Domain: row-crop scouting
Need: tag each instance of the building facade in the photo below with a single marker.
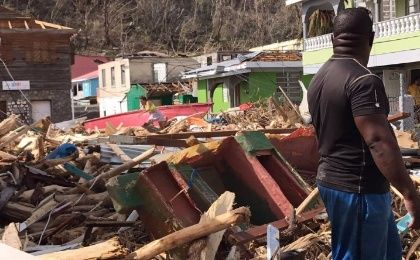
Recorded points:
(35, 68)
(395, 54)
(248, 78)
(116, 77)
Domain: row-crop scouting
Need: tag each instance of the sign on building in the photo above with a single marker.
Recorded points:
(16, 85)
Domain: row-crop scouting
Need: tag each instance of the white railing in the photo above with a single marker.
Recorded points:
(319, 42)
(405, 24)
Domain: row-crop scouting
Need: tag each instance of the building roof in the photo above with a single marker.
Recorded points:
(161, 89)
(246, 63)
(85, 64)
(12, 20)
(88, 76)
(292, 45)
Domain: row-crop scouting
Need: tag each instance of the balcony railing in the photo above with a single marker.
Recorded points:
(405, 24)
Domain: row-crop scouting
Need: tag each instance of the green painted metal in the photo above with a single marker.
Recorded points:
(76, 171)
(254, 141)
(202, 91)
(260, 85)
(220, 101)
(133, 95)
(123, 193)
(383, 45)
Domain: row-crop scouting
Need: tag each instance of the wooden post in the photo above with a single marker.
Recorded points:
(191, 233)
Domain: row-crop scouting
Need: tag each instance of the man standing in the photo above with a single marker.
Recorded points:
(359, 152)
(155, 114)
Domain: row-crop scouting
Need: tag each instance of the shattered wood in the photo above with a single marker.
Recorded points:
(62, 207)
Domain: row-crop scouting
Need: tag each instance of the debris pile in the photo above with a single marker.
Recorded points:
(126, 192)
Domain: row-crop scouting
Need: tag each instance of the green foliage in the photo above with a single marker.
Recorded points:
(320, 22)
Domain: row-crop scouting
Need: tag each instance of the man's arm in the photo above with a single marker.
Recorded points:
(386, 153)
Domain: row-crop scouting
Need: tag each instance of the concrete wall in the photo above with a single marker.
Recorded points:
(59, 100)
(137, 70)
(260, 85)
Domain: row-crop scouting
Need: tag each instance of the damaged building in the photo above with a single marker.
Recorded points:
(35, 68)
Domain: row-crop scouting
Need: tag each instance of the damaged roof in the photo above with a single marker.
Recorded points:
(10, 19)
(246, 63)
(161, 89)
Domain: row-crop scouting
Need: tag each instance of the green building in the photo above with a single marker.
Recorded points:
(247, 78)
(395, 55)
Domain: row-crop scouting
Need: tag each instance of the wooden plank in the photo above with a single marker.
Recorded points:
(222, 205)
(110, 249)
(260, 231)
(191, 233)
(398, 116)
(144, 139)
(11, 237)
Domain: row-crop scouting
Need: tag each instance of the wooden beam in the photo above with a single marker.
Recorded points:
(191, 233)
(110, 249)
(398, 116)
(144, 139)
(260, 231)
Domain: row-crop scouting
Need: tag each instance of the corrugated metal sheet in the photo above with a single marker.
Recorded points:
(108, 156)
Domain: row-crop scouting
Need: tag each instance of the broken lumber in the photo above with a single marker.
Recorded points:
(9, 124)
(128, 164)
(222, 205)
(191, 233)
(11, 237)
(143, 139)
(398, 116)
(109, 249)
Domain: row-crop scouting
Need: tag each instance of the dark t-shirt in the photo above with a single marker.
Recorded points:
(341, 90)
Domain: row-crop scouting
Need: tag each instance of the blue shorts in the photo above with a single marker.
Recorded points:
(363, 225)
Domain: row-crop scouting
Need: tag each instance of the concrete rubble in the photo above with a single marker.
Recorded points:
(199, 189)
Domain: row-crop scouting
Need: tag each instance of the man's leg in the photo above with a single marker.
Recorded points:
(380, 239)
(344, 213)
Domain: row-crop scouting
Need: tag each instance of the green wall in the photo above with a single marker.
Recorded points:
(219, 104)
(133, 95)
(202, 91)
(260, 85)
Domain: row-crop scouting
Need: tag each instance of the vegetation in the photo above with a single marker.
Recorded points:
(175, 27)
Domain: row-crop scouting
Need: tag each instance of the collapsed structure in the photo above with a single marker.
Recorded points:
(126, 192)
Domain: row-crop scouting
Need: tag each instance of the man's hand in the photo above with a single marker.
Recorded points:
(413, 207)
(384, 148)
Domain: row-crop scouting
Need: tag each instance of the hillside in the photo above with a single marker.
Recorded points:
(175, 27)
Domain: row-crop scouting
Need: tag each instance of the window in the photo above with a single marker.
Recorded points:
(79, 87)
(123, 74)
(103, 78)
(112, 77)
(159, 71)
(209, 60)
